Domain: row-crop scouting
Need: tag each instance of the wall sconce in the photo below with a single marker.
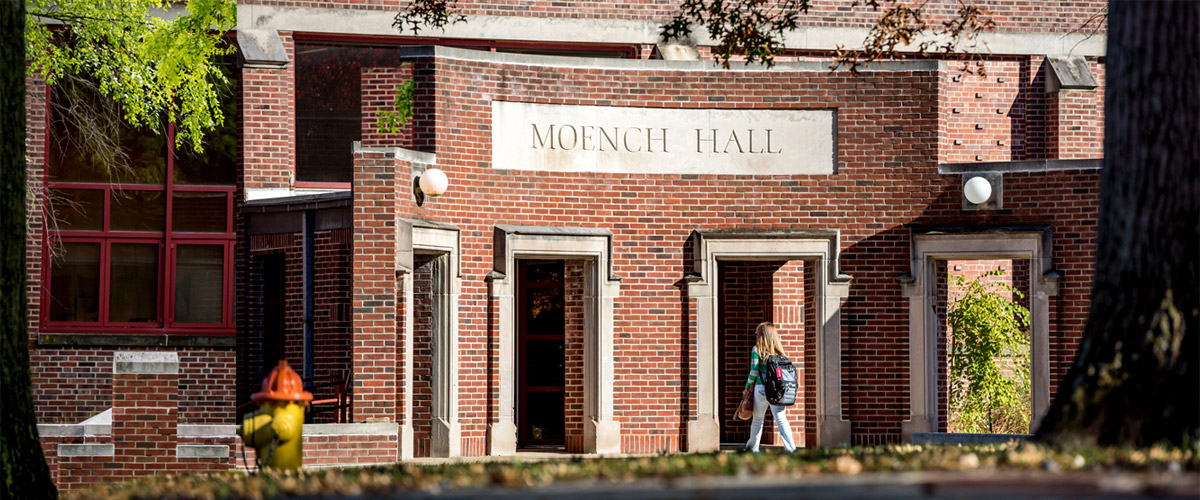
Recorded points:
(431, 182)
(981, 191)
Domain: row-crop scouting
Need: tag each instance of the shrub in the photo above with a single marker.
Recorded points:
(989, 358)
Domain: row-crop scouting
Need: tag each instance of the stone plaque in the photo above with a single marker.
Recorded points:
(563, 138)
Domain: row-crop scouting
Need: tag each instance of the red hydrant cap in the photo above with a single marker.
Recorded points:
(282, 384)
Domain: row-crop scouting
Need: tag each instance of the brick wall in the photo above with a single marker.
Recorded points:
(886, 181)
(378, 95)
(71, 385)
(1009, 116)
(1021, 16)
(573, 339)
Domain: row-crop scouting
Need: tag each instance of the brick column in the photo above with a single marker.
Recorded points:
(269, 122)
(373, 327)
(145, 411)
(1073, 126)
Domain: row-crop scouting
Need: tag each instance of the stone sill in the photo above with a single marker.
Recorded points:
(135, 340)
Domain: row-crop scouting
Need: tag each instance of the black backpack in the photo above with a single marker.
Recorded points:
(779, 380)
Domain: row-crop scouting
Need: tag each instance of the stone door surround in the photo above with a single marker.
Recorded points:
(818, 246)
(440, 239)
(929, 245)
(601, 432)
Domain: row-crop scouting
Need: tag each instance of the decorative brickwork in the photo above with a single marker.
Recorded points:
(1009, 116)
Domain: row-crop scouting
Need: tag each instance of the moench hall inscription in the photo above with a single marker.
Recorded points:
(565, 138)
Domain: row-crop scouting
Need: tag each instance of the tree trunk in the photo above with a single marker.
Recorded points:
(26, 474)
(1136, 380)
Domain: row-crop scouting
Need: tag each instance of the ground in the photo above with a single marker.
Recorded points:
(905, 471)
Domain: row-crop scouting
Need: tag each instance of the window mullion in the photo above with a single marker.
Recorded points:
(167, 295)
(105, 293)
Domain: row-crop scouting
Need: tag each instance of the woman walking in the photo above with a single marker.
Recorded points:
(766, 344)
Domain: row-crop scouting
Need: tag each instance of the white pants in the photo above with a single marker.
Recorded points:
(760, 412)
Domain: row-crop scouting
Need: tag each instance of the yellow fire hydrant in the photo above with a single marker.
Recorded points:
(275, 429)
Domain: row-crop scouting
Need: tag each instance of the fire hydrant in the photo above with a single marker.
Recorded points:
(275, 429)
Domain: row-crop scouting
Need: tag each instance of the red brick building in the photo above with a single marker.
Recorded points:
(615, 225)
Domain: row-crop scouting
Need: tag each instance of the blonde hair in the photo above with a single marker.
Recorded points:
(767, 340)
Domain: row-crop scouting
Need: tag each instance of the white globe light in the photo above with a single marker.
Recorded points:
(977, 190)
(434, 182)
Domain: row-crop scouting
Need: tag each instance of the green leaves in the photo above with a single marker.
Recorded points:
(989, 358)
(154, 67)
(750, 28)
(392, 121)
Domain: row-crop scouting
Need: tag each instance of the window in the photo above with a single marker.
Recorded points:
(329, 106)
(144, 249)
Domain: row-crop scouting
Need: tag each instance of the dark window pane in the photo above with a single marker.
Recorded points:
(75, 283)
(329, 108)
(133, 283)
(78, 209)
(137, 211)
(198, 212)
(217, 165)
(545, 311)
(544, 415)
(199, 283)
(544, 363)
(142, 158)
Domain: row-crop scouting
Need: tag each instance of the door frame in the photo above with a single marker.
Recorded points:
(601, 431)
(929, 245)
(820, 246)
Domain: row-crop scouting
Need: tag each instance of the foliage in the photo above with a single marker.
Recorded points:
(151, 67)
(755, 29)
(391, 121)
(989, 329)
(435, 13)
(408, 478)
(750, 28)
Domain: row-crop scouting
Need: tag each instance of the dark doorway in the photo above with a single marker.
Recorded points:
(541, 325)
(274, 286)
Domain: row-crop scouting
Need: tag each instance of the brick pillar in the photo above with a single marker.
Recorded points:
(269, 122)
(145, 411)
(373, 328)
(1074, 129)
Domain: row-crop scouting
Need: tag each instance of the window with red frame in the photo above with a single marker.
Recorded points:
(145, 249)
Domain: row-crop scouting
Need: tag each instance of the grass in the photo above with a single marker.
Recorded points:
(409, 477)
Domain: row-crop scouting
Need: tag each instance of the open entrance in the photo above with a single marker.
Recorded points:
(751, 292)
(989, 300)
(541, 354)
(935, 253)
